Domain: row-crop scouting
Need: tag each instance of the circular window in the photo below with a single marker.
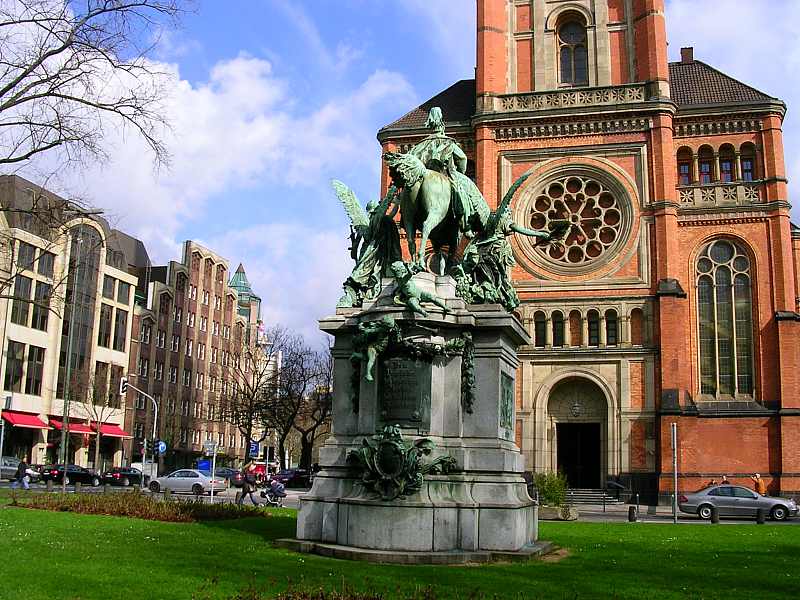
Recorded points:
(595, 217)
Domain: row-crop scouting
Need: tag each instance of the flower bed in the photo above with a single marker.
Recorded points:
(140, 506)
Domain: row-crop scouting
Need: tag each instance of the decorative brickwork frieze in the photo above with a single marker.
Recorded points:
(701, 128)
(623, 94)
(561, 129)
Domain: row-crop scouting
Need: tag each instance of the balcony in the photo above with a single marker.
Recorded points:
(720, 195)
(571, 98)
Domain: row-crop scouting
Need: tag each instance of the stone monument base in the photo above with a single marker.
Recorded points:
(453, 557)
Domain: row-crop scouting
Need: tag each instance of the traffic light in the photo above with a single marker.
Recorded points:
(123, 386)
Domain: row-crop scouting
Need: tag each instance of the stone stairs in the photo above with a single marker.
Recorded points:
(591, 496)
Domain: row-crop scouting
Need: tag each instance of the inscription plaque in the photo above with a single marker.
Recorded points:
(404, 392)
(507, 405)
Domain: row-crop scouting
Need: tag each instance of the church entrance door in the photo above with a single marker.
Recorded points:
(578, 453)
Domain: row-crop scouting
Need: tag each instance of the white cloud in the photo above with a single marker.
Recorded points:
(750, 44)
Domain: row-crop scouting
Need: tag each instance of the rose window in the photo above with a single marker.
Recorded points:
(591, 211)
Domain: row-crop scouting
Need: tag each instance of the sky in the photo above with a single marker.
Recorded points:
(271, 99)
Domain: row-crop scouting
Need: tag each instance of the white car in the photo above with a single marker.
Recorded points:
(190, 481)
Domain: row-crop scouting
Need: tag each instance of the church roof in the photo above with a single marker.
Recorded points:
(691, 84)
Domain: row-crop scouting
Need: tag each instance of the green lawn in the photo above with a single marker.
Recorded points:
(63, 555)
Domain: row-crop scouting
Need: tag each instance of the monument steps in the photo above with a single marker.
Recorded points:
(591, 496)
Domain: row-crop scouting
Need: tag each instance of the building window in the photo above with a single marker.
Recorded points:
(158, 371)
(178, 314)
(205, 298)
(217, 302)
(203, 324)
(173, 374)
(190, 319)
(141, 402)
(104, 326)
(187, 377)
(199, 381)
(46, 264)
(14, 359)
(171, 405)
(724, 302)
(215, 330)
(108, 287)
(27, 256)
(33, 378)
(176, 343)
(612, 328)
(593, 318)
(201, 351)
(123, 292)
(41, 306)
(212, 384)
(705, 163)
(120, 330)
(189, 347)
(557, 319)
(539, 329)
(573, 54)
(213, 355)
(161, 338)
(22, 300)
(138, 430)
(144, 366)
(144, 333)
(726, 170)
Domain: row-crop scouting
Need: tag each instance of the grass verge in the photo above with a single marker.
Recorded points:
(76, 556)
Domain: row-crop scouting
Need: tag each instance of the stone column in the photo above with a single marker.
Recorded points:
(624, 330)
(584, 331)
(548, 332)
(567, 332)
(695, 177)
(738, 166)
(716, 167)
(603, 340)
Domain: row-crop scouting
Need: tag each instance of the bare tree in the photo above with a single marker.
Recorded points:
(98, 405)
(247, 381)
(285, 401)
(313, 416)
(67, 68)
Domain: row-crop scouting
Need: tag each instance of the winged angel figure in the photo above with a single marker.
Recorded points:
(375, 244)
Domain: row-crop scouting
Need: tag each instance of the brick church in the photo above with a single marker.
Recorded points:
(674, 297)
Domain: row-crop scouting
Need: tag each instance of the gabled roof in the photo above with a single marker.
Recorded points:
(691, 84)
(696, 83)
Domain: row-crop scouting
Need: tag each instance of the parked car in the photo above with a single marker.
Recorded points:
(189, 481)
(735, 501)
(225, 473)
(123, 476)
(8, 467)
(75, 474)
(294, 478)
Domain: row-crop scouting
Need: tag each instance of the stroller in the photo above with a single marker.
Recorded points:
(274, 493)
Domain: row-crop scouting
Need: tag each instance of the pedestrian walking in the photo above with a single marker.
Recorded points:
(759, 484)
(725, 481)
(248, 484)
(21, 476)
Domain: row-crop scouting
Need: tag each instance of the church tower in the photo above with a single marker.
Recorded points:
(673, 297)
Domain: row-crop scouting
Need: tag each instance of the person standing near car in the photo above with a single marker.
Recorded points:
(21, 476)
(759, 485)
(248, 484)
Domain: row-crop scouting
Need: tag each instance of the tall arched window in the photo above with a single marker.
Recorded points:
(557, 319)
(539, 329)
(725, 315)
(593, 317)
(573, 54)
(612, 328)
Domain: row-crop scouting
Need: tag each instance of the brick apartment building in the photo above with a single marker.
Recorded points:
(674, 298)
(192, 324)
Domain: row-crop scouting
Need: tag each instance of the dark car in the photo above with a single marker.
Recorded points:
(75, 474)
(225, 473)
(123, 476)
(294, 478)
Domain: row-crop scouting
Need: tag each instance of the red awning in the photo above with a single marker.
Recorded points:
(73, 427)
(19, 419)
(107, 430)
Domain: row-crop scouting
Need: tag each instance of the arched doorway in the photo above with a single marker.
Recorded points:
(578, 415)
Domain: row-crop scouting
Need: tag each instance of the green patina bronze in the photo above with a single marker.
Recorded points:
(434, 197)
(391, 467)
(384, 339)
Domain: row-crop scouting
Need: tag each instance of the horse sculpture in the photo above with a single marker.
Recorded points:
(426, 205)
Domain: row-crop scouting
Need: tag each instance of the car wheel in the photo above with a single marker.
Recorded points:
(95, 482)
(126, 482)
(779, 513)
(67, 480)
(154, 487)
(197, 489)
(704, 512)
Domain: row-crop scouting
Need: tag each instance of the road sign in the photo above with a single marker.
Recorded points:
(123, 386)
(210, 447)
(253, 448)
(161, 447)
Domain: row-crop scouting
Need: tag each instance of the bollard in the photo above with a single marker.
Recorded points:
(761, 516)
(77, 487)
(49, 485)
(107, 488)
(632, 514)
(714, 514)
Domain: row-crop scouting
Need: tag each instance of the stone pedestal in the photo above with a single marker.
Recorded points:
(482, 507)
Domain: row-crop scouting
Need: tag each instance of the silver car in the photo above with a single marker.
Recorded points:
(735, 501)
(189, 481)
